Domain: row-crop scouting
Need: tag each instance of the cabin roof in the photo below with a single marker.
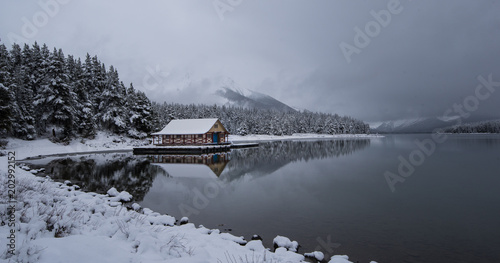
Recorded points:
(187, 126)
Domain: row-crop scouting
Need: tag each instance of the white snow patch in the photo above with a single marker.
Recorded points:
(239, 240)
(255, 245)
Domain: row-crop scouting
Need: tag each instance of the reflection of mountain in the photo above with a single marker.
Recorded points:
(271, 156)
(170, 163)
(98, 173)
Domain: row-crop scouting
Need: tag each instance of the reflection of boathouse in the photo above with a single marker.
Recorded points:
(216, 162)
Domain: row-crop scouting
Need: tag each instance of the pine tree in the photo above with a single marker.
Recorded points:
(22, 94)
(140, 113)
(5, 95)
(55, 100)
(84, 117)
(111, 110)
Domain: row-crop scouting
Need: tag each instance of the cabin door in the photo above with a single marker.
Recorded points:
(215, 137)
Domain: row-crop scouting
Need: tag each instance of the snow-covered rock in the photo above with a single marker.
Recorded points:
(184, 221)
(113, 192)
(256, 237)
(285, 242)
(136, 206)
(119, 196)
(285, 254)
(339, 259)
(318, 255)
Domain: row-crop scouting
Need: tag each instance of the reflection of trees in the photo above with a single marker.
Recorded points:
(134, 174)
(270, 156)
(97, 174)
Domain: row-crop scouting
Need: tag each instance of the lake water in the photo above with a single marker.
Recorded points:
(329, 195)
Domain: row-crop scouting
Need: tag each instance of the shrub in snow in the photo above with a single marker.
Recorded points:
(285, 242)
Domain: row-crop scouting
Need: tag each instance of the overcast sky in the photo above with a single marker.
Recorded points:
(309, 54)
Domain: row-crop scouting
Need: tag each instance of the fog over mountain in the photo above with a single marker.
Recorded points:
(378, 61)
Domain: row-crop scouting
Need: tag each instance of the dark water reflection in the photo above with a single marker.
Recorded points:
(99, 172)
(329, 195)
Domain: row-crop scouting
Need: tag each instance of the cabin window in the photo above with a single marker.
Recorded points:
(167, 136)
(200, 135)
(178, 136)
(216, 125)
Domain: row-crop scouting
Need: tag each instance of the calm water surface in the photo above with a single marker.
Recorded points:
(329, 195)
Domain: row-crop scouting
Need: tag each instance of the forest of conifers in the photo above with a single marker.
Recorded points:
(44, 93)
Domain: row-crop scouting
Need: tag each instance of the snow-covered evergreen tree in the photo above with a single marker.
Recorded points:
(5, 95)
(139, 117)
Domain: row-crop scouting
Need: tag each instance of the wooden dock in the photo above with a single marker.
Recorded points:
(191, 149)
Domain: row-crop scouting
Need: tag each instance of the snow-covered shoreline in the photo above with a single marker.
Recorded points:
(56, 222)
(106, 142)
(299, 136)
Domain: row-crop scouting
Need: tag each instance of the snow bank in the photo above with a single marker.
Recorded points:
(56, 222)
(102, 142)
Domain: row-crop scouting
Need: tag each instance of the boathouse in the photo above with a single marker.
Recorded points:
(191, 132)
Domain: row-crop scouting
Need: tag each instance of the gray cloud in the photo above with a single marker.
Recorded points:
(422, 62)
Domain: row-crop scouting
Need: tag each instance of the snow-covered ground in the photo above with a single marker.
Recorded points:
(42, 147)
(55, 222)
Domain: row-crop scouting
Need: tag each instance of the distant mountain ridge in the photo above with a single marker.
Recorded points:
(420, 125)
(249, 99)
(417, 125)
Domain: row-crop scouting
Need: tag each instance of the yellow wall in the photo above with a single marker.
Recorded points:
(220, 128)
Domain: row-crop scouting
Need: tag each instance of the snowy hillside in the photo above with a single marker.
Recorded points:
(246, 98)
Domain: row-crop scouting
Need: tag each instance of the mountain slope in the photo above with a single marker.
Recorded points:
(252, 99)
